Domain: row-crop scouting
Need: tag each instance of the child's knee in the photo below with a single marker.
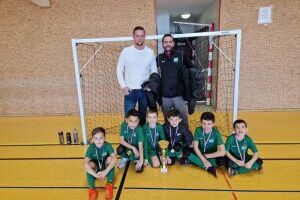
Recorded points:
(108, 160)
(121, 149)
(93, 166)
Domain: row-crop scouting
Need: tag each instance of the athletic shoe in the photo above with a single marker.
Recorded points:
(109, 191)
(93, 194)
(231, 172)
(123, 163)
(212, 170)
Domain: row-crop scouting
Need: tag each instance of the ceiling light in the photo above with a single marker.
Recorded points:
(185, 15)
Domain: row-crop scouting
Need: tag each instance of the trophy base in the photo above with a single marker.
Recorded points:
(164, 170)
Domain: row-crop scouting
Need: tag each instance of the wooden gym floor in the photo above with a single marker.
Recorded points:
(34, 166)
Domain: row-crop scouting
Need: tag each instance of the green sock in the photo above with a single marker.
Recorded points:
(110, 175)
(91, 180)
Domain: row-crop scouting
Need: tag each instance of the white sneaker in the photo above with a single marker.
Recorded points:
(123, 163)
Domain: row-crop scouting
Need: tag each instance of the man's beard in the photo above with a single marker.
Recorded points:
(168, 48)
(139, 44)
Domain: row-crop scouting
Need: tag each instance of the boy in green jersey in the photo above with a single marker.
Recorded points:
(131, 141)
(99, 162)
(237, 146)
(209, 149)
(154, 132)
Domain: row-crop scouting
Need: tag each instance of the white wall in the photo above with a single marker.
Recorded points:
(211, 14)
(162, 25)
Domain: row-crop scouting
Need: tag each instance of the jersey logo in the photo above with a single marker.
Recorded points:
(175, 60)
(104, 154)
(243, 147)
(211, 140)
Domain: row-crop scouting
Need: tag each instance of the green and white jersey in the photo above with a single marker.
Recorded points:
(132, 136)
(208, 142)
(239, 149)
(98, 155)
(153, 135)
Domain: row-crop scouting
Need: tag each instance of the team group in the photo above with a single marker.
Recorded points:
(140, 133)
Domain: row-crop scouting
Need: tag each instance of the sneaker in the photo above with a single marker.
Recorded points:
(260, 168)
(231, 172)
(93, 194)
(212, 170)
(123, 163)
(184, 161)
(109, 191)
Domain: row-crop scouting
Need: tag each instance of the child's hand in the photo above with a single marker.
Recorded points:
(207, 164)
(248, 165)
(168, 160)
(138, 165)
(240, 163)
(101, 175)
(136, 152)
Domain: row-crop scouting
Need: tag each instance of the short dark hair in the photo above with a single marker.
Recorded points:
(239, 121)
(138, 28)
(134, 113)
(174, 113)
(152, 111)
(209, 116)
(167, 35)
(98, 130)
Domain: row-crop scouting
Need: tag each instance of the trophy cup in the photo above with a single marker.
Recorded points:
(163, 144)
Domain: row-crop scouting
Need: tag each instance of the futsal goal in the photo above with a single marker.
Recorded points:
(100, 97)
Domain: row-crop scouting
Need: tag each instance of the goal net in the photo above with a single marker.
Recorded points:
(100, 97)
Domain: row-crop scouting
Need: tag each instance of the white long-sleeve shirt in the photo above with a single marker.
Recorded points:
(135, 66)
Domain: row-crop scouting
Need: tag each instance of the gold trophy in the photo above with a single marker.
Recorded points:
(163, 144)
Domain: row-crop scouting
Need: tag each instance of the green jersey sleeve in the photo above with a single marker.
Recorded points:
(140, 134)
(89, 151)
(228, 143)
(123, 128)
(161, 132)
(145, 143)
(251, 145)
(110, 148)
(197, 134)
(219, 138)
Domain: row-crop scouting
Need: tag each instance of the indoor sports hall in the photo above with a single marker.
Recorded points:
(58, 63)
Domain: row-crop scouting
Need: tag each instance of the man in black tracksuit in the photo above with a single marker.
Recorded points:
(171, 64)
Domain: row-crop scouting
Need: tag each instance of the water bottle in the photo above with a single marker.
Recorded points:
(69, 139)
(61, 137)
(75, 136)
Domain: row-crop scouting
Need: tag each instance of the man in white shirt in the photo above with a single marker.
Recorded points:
(135, 65)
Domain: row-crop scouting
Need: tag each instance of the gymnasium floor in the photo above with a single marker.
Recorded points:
(34, 166)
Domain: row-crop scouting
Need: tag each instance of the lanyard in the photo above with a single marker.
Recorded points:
(99, 163)
(205, 141)
(153, 139)
(243, 157)
(173, 141)
(132, 135)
